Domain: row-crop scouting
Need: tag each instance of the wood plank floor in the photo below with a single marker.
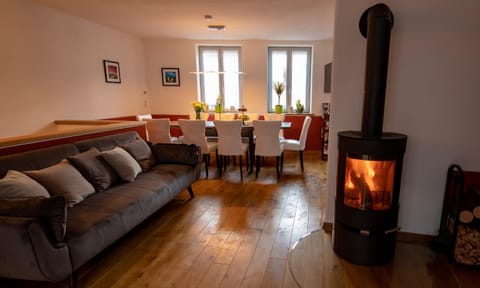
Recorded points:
(237, 234)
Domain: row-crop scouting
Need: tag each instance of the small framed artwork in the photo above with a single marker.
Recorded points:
(112, 71)
(170, 77)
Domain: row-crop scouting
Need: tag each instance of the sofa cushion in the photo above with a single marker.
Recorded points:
(140, 150)
(62, 179)
(36, 159)
(51, 211)
(94, 168)
(104, 217)
(167, 153)
(177, 177)
(106, 142)
(18, 185)
(123, 163)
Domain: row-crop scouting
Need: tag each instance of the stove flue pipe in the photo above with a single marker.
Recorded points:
(375, 25)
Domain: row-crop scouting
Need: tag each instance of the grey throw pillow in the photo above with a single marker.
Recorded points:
(51, 211)
(123, 163)
(94, 168)
(62, 179)
(140, 150)
(18, 185)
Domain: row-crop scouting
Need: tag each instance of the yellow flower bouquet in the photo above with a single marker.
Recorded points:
(198, 107)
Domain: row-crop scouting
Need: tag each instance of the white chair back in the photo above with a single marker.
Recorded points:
(304, 132)
(277, 117)
(143, 117)
(267, 142)
(229, 137)
(159, 130)
(194, 133)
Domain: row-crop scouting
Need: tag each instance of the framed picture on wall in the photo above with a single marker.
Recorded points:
(170, 77)
(112, 71)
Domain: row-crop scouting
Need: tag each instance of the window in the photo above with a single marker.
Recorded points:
(219, 76)
(291, 66)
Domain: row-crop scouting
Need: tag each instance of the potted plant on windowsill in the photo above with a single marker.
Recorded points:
(279, 87)
(300, 107)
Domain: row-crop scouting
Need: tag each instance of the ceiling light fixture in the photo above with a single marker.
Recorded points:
(208, 17)
(216, 27)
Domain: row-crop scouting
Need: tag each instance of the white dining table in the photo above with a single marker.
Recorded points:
(247, 132)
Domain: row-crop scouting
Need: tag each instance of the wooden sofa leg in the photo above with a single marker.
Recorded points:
(73, 280)
(190, 191)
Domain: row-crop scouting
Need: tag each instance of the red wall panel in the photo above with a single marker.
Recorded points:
(314, 136)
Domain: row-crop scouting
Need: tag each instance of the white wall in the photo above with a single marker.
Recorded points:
(432, 96)
(175, 53)
(51, 68)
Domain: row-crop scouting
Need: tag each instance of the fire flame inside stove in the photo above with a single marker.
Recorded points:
(369, 184)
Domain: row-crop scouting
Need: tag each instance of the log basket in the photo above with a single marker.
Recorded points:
(459, 233)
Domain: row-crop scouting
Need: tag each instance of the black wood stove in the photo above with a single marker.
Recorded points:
(370, 161)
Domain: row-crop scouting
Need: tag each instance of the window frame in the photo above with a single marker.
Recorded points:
(288, 91)
(221, 78)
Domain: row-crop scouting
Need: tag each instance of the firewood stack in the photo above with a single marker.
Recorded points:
(467, 242)
(467, 245)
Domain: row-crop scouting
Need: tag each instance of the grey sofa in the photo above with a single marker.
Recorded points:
(27, 250)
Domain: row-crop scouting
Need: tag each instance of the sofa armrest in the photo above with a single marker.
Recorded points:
(27, 253)
(177, 154)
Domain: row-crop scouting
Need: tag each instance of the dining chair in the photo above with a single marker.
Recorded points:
(230, 143)
(267, 143)
(158, 131)
(299, 145)
(143, 117)
(194, 133)
(276, 117)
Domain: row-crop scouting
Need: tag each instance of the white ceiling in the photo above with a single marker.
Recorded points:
(244, 19)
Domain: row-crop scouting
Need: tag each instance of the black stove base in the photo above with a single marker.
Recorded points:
(374, 249)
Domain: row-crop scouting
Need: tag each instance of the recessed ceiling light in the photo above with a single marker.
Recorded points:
(208, 17)
(216, 27)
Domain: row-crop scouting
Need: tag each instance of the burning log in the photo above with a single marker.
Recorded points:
(362, 187)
